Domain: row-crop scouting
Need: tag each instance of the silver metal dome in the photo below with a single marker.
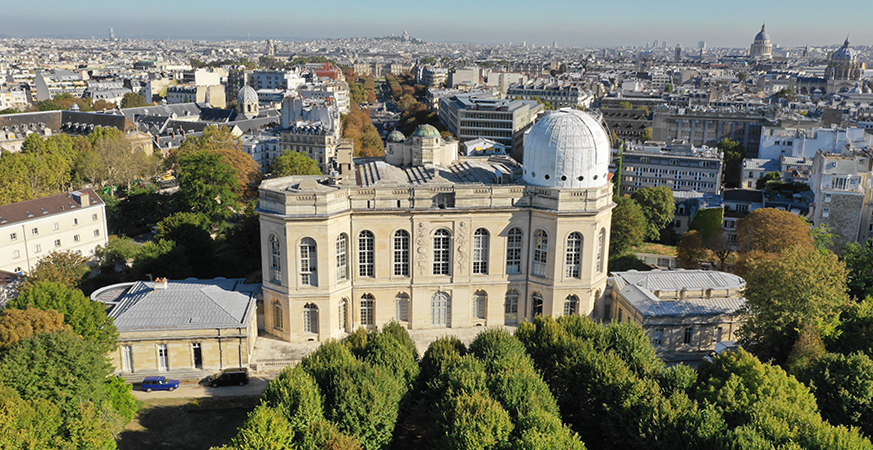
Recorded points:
(567, 149)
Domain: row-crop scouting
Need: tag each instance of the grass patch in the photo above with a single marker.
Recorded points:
(657, 249)
(186, 423)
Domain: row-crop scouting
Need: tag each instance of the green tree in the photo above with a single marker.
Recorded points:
(294, 163)
(733, 152)
(858, 258)
(546, 104)
(628, 226)
(478, 422)
(782, 292)
(207, 184)
(843, 388)
(760, 183)
(743, 76)
(221, 141)
(67, 268)
(647, 135)
(87, 318)
(133, 100)
(855, 331)
(658, 207)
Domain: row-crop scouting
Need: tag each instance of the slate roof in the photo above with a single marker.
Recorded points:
(466, 170)
(637, 288)
(188, 304)
(43, 207)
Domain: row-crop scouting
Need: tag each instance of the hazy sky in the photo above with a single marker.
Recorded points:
(569, 22)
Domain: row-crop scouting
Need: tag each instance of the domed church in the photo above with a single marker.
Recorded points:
(844, 69)
(435, 240)
(761, 46)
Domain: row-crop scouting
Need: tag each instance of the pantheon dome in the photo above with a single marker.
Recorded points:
(567, 149)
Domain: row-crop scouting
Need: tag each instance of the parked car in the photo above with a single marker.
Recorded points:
(229, 377)
(159, 384)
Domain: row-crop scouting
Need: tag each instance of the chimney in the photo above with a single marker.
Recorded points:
(82, 198)
(161, 283)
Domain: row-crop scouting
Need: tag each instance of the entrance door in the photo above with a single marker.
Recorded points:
(441, 307)
(163, 358)
(198, 355)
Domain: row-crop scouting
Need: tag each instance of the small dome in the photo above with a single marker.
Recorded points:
(762, 35)
(568, 149)
(426, 131)
(75, 107)
(845, 53)
(396, 136)
(247, 95)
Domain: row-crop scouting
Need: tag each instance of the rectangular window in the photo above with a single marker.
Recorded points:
(127, 358)
(57, 242)
(76, 238)
(441, 254)
(34, 231)
(13, 237)
(827, 198)
(659, 337)
(513, 251)
(401, 254)
(75, 221)
(163, 358)
(96, 233)
(838, 183)
(825, 212)
(689, 333)
(55, 226)
(716, 337)
(37, 249)
(94, 217)
(16, 254)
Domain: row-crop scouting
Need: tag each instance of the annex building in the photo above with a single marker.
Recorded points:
(433, 240)
(186, 325)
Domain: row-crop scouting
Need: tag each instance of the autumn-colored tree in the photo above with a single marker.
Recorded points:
(358, 127)
(690, 250)
(772, 230)
(19, 324)
(222, 142)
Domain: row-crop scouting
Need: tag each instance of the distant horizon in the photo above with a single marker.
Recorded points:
(298, 39)
(485, 22)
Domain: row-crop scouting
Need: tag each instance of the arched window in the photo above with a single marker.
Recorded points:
(510, 316)
(537, 303)
(601, 248)
(275, 260)
(310, 318)
(441, 308)
(308, 258)
(401, 307)
(368, 310)
(366, 266)
(401, 253)
(344, 314)
(573, 260)
(541, 253)
(442, 247)
(480, 304)
(480, 251)
(514, 242)
(277, 315)
(571, 305)
(342, 257)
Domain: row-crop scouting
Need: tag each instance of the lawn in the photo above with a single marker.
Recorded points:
(186, 423)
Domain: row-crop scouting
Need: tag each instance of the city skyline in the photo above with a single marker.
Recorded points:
(486, 22)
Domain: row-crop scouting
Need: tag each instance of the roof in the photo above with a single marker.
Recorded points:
(743, 195)
(188, 304)
(46, 206)
(638, 289)
(466, 170)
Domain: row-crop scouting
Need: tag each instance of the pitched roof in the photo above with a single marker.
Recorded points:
(638, 289)
(46, 206)
(188, 304)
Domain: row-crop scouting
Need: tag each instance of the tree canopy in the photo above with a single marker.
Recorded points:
(658, 207)
(785, 291)
(133, 100)
(208, 184)
(772, 230)
(628, 226)
(733, 154)
(295, 163)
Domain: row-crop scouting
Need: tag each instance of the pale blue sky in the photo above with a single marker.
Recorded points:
(601, 23)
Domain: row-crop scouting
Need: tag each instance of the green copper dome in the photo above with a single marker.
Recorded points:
(396, 136)
(426, 131)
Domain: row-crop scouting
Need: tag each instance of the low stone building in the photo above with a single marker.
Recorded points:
(188, 325)
(684, 312)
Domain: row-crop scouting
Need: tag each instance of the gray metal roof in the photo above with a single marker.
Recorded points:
(188, 304)
(638, 289)
(466, 170)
